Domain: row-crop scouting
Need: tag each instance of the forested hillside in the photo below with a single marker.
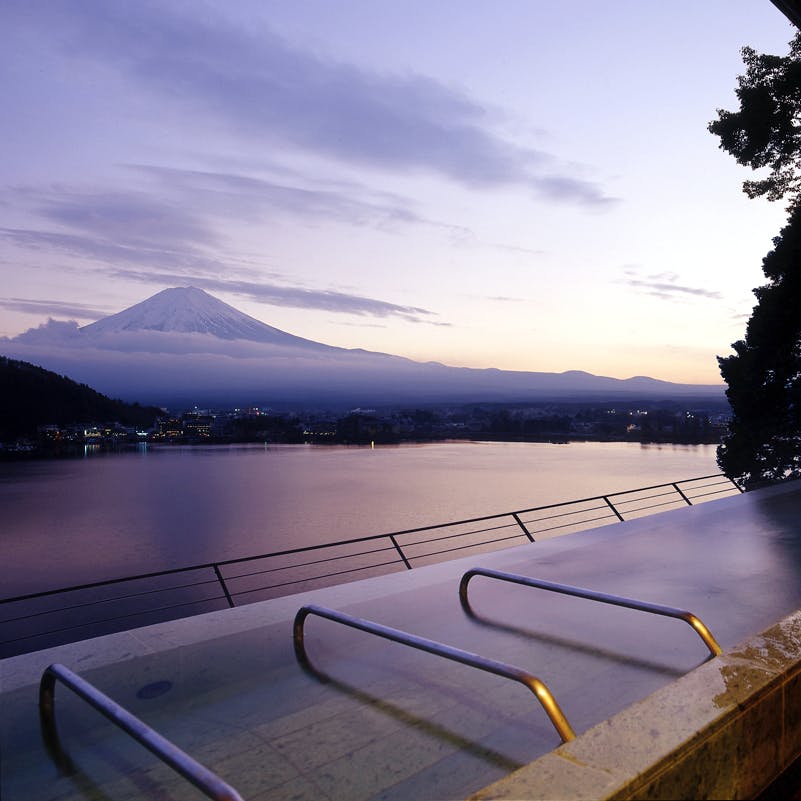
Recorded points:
(31, 396)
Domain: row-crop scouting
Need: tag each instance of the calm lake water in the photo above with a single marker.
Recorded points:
(65, 522)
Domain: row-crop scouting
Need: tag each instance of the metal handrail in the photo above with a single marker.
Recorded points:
(534, 684)
(616, 600)
(205, 780)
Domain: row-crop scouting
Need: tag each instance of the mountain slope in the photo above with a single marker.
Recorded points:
(188, 310)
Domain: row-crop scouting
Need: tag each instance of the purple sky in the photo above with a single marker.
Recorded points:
(527, 185)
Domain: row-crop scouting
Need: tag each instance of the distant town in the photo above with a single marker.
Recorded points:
(667, 421)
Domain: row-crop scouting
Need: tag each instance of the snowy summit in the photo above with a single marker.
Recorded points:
(189, 310)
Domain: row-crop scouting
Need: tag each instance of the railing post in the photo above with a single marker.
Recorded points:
(224, 586)
(675, 486)
(523, 526)
(400, 552)
(612, 507)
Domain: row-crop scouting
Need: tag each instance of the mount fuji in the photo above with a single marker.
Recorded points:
(188, 310)
(183, 346)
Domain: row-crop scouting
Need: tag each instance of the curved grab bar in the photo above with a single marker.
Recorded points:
(566, 589)
(205, 780)
(536, 686)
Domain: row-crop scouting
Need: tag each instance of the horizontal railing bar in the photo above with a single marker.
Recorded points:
(725, 482)
(656, 506)
(540, 690)
(238, 593)
(59, 610)
(706, 494)
(114, 619)
(340, 543)
(673, 494)
(307, 564)
(575, 523)
(465, 547)
(616, 600)
(107, 582)
(567, 514)
(209, 783)
(720, 478)
(659, 486)
(465, 534)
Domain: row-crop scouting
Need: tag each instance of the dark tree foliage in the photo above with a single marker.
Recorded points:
(764, 375)
(31, 396)
(765, 132)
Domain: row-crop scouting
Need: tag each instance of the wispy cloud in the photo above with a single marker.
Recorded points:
(235, 195)
(665, 286)
(127, 218)
(99, 249)
(53, 307)
(567, 189)
(180, 215)
(261, 87)
(129, 233)
(291, 296)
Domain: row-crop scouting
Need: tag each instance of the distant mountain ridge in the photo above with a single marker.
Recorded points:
(183, 345)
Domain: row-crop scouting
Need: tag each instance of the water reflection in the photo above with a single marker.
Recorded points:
(66, 522)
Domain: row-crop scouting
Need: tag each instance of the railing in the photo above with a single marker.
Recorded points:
(38, 620)
(207, 782)
(580, 592)
(542, 693)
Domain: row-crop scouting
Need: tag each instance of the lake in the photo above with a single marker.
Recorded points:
(70, 521)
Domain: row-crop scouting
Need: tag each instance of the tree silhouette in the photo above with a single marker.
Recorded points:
(765, 131)
(763, 442)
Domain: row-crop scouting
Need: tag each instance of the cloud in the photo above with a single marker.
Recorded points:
(177, 220)
(259, 86)
(53, 332)
(664, 286)
(78, 310)
(291, 296)
(238, 196)
(565, 189)
(126, 218)
(97, 248)
(188, 265)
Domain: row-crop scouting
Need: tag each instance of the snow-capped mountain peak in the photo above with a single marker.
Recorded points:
(189, 310)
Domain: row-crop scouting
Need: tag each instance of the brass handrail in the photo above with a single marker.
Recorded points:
(566, 589)
(205, 780)
(536, 686)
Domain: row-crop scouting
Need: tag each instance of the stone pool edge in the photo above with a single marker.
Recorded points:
(725, 730)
